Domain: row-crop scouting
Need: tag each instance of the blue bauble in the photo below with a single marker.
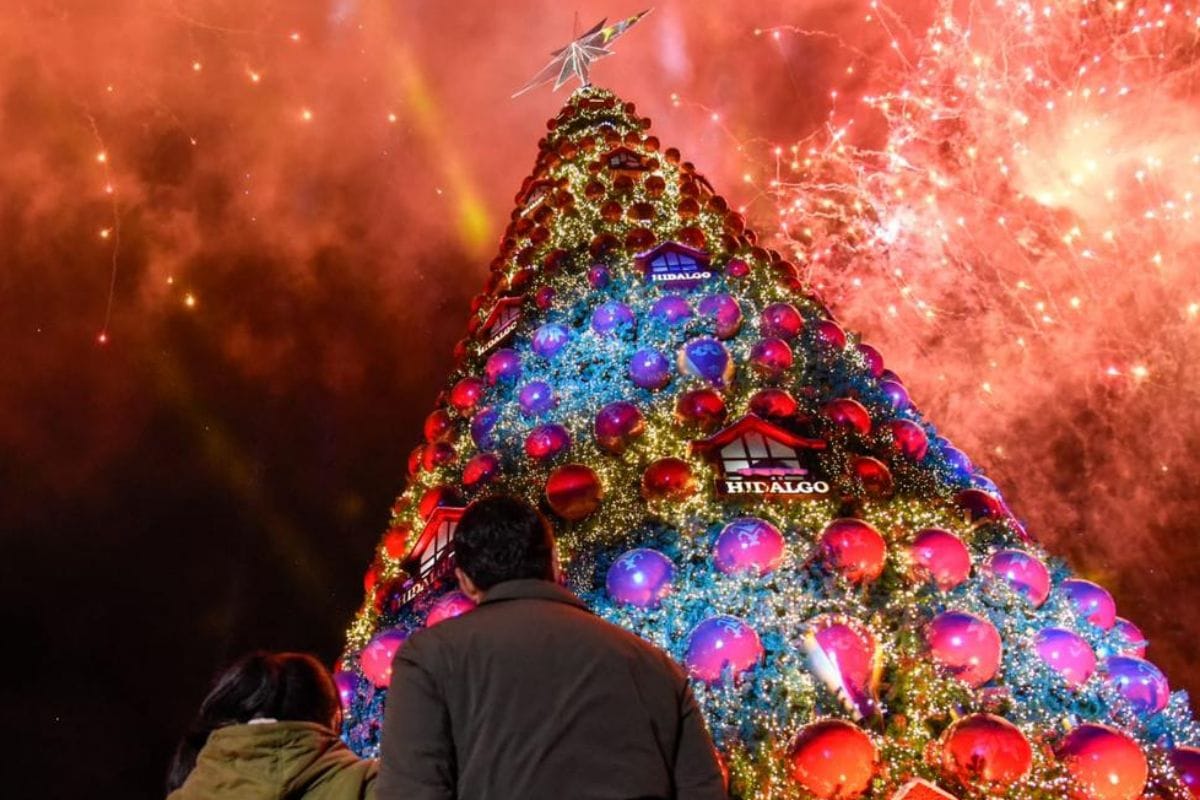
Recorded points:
(706, 358)
(481, 428)
(640, 578)
(536, 398)
(672, 309)
(649, 369)
(1139, 682)
(610, 316)
(550, 338)
(896, 394)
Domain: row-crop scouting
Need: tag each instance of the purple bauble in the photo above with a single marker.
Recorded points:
(1067, 653)
(503, 366)
(1129, 639)
(938, 555)
(1023, 573)
(547, 441)
(616, 425)
(724, 312)
(956, 458)
(780, 321)
(1186, 761)
(896, 394)
(1139, 682)
(610, 316)
(450, 605)
(649, 369)
(481, 428)
(536, 398)
(550, 338)
(598, 276)
(749, 544)
(1092, 602)
(640, 578)
(347, 687)
(720, 643)
(375, 661)
(706, 358)
(967, 646)
(672, 310)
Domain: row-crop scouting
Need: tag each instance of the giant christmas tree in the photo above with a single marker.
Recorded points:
(738, 479)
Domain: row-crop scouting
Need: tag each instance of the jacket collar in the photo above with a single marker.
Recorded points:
(532, 589)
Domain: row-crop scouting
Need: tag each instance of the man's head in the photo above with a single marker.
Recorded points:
(502, 539)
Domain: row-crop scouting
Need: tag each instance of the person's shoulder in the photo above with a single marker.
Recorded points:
(647, 651)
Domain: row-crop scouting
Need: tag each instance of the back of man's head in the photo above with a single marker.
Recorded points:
(503, 539)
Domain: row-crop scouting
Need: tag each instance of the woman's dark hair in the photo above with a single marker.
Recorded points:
(503, 539)
(283, 686)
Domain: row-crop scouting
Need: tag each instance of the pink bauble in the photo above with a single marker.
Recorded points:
(749, 544)
(618, 424)
(833, 760)
(848, 413)
(439, 427)
(1023, 573)
(830, 334)
(1141, 683)
(845, 656)
(909, 439)
(965, 645)
(1186, 761)
(1091, 601)
(466, 394)
(983, 748)
(721, 643)
(940, 556)
(980, 504)
(547, 441)
(1105, 763)
(854, 549)
(347, 686)
(1130, 639)
(771, 358)
(452, 604)
(873, 358)
(375, 661)
(1067, 653)
(781, 320)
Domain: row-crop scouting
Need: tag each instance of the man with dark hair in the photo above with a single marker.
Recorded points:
(532, 697)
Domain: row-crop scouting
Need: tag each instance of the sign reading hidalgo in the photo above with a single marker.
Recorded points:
(500, 323)
(757, 459)
(674, 266)
(431, 557)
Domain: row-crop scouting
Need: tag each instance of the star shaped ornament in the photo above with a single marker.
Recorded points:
(575, 59)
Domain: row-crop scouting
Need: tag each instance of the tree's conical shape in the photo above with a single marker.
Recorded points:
(739, 480)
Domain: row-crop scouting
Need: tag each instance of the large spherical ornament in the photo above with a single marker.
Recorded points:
(547, 441)
(706, 358)
(854, 549)
(649, 369)
(481, 428)
(721, 643)
(375, 661)
(415, 459)
(978, 504)
(965, 645)
(668, 479)
(702, 407)
(535, 398)
(773, 404)
(640, 578)
(1067, 653)
(395, 542)
(833, 760)
(466, 394)
(1186, 761)
(848, 413)
(618, 424)
(438, 454)
(873, 475)
(781, 321)
(438, 426)
(480, 470)
(598, 276)
(544, 298)
(941, 557)
(1023, 573)
(1139, 682)
(449, 605)
(1130, 641)
(611, 316)
(549, 339)
(725, 314)
(983, 748)
(909, 439)
(771, 358)
(503, 366)
(347, 687)
(830, 334)
(958, 461)
(873, 359)
(573, 491)
(1105, 763)
(436, 497)
(896, 394)
(845, 656)
(1090, 601)
(749, 544)
(672, 309)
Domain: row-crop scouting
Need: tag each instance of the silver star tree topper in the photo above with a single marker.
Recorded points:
(575, 59)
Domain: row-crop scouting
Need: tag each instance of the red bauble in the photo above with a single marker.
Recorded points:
(873, 474)
(873, 358)
(616, 425)
(980, 505)
(573, 491)
(848, 413)
(771, 358)
(668, 479)
(439, 427)
(1105, 763)
(395, 542)
(703, 407)
(438, 454)
(983, 748)
(909, 439)
(1186, 761)
(854, 549)
(435, 497)
(544, 297)
(466, 394)
(940, 556)
(966, 646)
(833, 759)
(415, 458)
(772, 404)
(547, 441)
(481, 469)
(830, 334)
(781, 321)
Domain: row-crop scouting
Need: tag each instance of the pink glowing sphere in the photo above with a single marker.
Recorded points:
(640, 578)
(830, 334)
(1023, 573)
(781, 320)
(984, 748)
(845, 656)
(616, 425)
(547, 441)
(1067, 653)
(848, 413)
(1105, 763)
(1091, 601)
(1139, 682)
(719, 644)
(853, 548)
(450, 605)
(965, 645)
(873, 358)
(938, 555)
(909, 439)
(375, 661)
(749, 545)
(1131, 640)
(771, 358)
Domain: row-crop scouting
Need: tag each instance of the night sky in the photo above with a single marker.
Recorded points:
(238, 244)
